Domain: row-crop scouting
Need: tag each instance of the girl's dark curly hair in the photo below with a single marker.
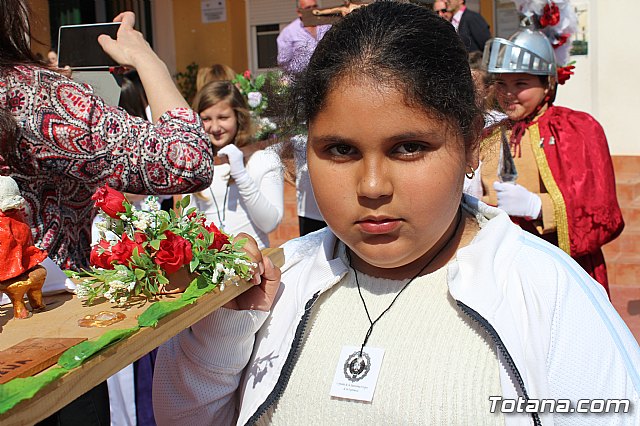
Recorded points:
(400, 45)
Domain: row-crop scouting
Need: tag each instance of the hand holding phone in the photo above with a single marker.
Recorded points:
(128, 48)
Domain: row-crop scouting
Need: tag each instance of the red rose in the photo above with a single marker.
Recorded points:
(247, 74)
(560, 40)
(139, 238)
(564, 73)
(109, 201)
(174, 253)
(101, 260)
(550, 15)
(121, 252)
(219, 239)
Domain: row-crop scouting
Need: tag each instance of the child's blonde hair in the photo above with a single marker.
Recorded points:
(220, 91)
(215, 72)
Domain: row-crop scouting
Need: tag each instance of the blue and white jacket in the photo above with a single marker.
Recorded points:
(557, 334)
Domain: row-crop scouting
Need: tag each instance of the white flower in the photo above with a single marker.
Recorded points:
(82, 291)
(140, 225)
(116, 284)
(239, 261)
(152, 203)
(102, 225)
(254, 99)
(267, 124)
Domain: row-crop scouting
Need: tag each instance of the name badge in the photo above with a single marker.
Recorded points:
(357, 374)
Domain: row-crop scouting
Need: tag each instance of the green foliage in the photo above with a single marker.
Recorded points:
(186, 81)
(203, 249)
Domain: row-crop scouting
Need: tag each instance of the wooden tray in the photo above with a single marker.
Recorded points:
(61, 320)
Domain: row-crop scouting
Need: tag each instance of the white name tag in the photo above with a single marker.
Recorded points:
(356, 375)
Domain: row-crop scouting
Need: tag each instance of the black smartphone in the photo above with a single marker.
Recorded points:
(78, 46)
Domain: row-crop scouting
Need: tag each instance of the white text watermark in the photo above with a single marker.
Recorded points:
(521, 405)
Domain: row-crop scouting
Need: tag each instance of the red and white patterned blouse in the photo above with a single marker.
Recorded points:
(70, 142)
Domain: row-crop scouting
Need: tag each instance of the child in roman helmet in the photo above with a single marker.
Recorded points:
(565, 188)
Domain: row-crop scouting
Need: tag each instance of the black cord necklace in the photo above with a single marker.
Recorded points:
(224, 205)
(356, 365)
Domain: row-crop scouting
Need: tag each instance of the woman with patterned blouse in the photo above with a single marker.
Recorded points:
(70, 141)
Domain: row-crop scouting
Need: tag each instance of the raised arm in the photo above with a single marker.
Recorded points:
(132, 50)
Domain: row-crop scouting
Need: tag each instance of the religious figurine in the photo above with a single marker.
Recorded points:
(328, 16)
(21, 271)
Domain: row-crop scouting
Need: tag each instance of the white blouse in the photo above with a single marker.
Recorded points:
(254, 205)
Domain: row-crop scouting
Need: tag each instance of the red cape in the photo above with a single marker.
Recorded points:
(17, 252)
(576, 168)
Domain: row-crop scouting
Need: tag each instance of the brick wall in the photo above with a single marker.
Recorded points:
(623, 254)
(288, 228)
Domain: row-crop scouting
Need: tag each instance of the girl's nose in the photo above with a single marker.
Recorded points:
(374, 181)
(212, 127)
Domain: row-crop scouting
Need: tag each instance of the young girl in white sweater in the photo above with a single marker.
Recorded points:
(246, 194)
(414, 306)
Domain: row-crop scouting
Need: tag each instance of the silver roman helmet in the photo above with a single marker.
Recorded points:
(526, 51)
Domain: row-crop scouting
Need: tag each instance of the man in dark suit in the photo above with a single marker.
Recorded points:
(471, 26)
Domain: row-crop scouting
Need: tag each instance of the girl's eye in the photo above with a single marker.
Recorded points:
(205, 119)
(410, 148)
(340, 150)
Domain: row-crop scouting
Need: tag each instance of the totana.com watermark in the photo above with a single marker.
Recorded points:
(521, 405)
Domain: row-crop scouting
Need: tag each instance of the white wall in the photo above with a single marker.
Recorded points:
(163, 35)
(607, 81)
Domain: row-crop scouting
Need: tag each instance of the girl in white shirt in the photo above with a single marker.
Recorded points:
(414, 306)
(246, 194)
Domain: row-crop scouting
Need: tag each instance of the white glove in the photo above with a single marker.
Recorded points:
(517, 200)
(236, 160)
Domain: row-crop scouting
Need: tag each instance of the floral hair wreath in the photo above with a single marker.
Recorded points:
(557, 20)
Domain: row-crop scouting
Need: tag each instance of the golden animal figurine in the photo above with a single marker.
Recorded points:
(20, 272)
(29, 283)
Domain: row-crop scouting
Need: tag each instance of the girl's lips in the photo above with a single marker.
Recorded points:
(381, 226)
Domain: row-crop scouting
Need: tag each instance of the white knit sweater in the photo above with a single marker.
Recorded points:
(420, 381)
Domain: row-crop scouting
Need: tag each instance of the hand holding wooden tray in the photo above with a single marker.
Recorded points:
(61, 321)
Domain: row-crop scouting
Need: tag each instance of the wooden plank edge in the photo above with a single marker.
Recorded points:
(112, 359)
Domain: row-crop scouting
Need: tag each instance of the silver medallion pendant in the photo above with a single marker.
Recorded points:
(357, 366)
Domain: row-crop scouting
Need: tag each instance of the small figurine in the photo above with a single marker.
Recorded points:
(21, 271)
